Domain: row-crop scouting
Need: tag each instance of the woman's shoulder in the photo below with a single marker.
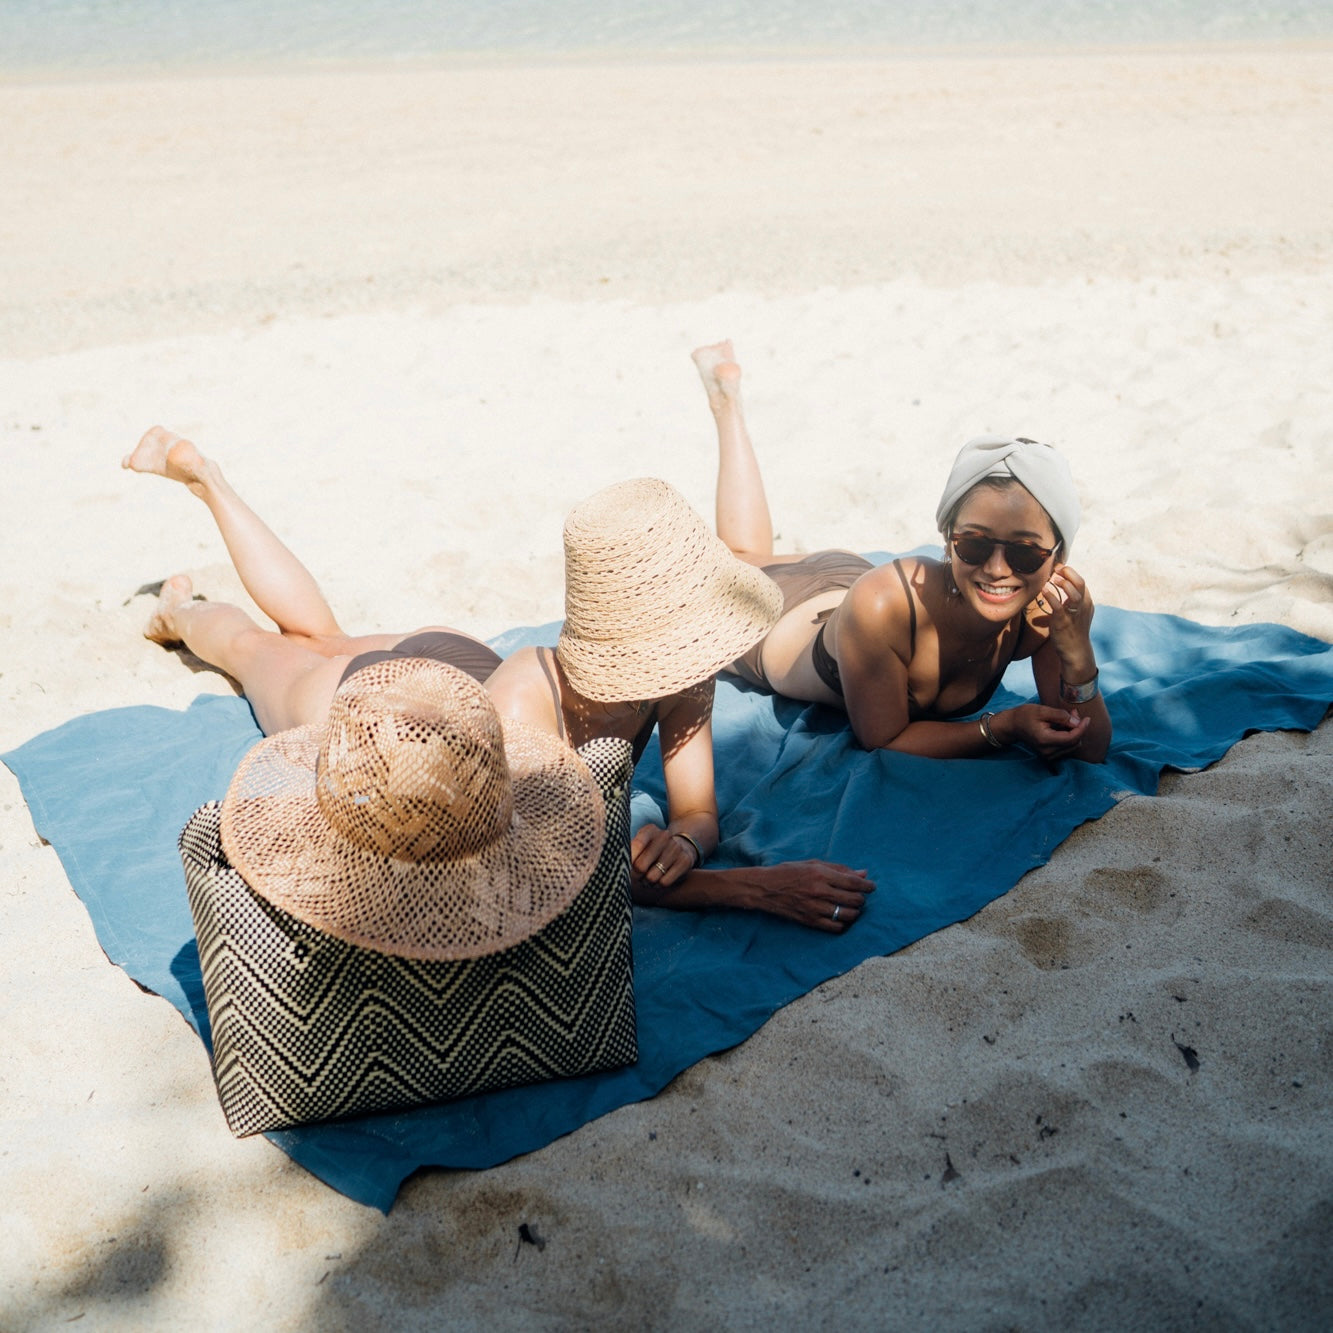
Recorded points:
(531, 662)
(887, 588)
(886, 606)
(524, 685)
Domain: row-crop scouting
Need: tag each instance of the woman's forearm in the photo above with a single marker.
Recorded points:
(820, 894)
(945, 740)
(698, 830)
(698, 889)
(1049, 731)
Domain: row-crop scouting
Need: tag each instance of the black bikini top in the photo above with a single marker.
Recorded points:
(826, 668)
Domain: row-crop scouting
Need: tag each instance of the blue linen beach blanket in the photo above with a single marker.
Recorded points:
(111, 791)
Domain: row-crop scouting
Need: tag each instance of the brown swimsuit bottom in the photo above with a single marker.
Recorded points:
(478, 661)
(800, 580)
(456, 650)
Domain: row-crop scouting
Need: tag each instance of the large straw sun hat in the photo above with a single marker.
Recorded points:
(416, 821)
(654, 601)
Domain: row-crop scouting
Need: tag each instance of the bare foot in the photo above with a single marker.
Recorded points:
(166, 454)
(720, 373)
(161, 627)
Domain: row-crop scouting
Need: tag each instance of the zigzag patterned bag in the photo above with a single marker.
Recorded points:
(307, 1027)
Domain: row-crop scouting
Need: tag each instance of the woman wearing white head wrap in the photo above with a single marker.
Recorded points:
(1038, 468)
(914, 649)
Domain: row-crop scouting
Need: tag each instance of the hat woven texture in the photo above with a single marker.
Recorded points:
(654, 600)
(416, 821)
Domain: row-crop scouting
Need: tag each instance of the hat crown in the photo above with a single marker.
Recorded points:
(415, 771)
(415, 820)
(637, 535)
(654, 600)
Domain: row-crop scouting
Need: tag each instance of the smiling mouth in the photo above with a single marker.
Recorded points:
(999, 591)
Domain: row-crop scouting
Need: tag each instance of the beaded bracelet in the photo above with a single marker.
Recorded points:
(698, 851)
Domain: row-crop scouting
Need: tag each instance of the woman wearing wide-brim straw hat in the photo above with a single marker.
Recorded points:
(414, 820)
(913, 650)
(655, 605)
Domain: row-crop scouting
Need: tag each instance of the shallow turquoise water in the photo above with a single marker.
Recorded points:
(111, 34)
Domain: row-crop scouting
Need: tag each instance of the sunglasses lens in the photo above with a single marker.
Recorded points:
(973, 550)
(1024, 559)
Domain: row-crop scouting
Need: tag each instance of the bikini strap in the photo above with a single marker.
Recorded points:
(911, 609)
(546, 656)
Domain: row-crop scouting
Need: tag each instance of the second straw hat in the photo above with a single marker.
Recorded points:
(416, 821)
(654, 600)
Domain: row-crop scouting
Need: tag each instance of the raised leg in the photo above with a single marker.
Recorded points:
(287, 683)
(280, 584)
(743, 520)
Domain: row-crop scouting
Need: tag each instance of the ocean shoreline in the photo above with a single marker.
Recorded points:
(56, 75)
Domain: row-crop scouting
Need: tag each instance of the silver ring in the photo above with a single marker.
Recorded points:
(836, 910)
(661, 869)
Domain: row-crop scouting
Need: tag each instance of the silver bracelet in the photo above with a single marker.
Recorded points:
(1078, 694)
(991, 739)
(698, 851)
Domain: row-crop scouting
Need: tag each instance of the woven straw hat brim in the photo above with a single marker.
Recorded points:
(275, 834)
(681, 632)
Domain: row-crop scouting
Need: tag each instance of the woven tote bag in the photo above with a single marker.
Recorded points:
(306, 1027)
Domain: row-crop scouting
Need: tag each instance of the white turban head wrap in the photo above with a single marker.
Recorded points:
(1038, 467)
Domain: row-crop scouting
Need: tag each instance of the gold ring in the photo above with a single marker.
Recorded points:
(661, 869)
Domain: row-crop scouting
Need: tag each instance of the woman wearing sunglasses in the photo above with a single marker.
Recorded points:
(913, 650)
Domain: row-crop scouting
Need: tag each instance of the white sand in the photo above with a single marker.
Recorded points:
(418, 314)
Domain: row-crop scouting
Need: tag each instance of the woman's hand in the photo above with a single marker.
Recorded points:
(661, 858)
(1053, 733)
(1065, 610)
(1072, 719)
(820, 894)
